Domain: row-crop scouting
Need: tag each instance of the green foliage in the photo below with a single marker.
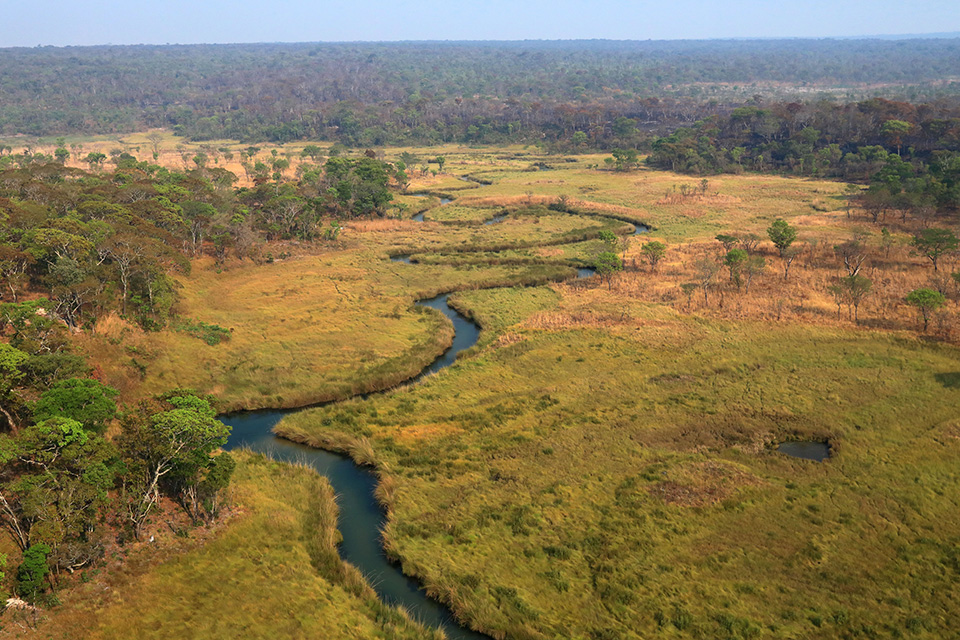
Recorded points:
(654, 251)
(57, 475)
(624, 159)
(607, 263)
(926, 301)
(782, 235)
(608, 238)
(32, 572)
(212, 334)
(735, 261)
(934, 242)
(87, 401)
(169, 444)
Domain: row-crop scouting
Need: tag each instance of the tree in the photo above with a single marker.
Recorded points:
(789, 255)
(894, 130)
(607, 263)
(89, 402)
(926, 301)
(706, 270)
(11, 373)
(934, 243)
(95, 160)
(753, 267)
(734, 261)
(608, 238)
(198, 216)
(624, 159)
(314, 152)
(654, 252)
(854, 289)
(853, 253)
(782, 235)
(441, 161)
(13, 268)
(155, 138)
(728, 241)
(32, 572)
(177, 432)
(57, 476)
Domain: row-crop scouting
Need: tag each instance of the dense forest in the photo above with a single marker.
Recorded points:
(369, 94)
(908, 154)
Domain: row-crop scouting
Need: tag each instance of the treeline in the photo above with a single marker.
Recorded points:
(114, 238)
(397, 93)
(908, 154)
(67, 492)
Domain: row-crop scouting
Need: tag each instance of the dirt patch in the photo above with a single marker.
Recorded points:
(702, 484)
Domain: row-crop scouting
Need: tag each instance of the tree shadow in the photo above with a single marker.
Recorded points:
(950, 380)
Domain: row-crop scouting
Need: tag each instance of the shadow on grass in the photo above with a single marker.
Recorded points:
(950, 380)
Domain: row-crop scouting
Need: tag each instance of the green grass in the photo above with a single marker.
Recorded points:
(271, 572)
(612, 475)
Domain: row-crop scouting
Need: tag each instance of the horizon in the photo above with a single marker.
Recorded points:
(107, 22)
(951, 35)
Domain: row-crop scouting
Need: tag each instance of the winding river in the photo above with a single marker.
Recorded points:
(361, 517)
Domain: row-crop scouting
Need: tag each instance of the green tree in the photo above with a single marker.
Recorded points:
(728, 241)
(607, 263)
(89, 402)
(314, 152)
(95, 160)
(11, 374)
(441, 161)
(177, 432)
(782, 235)
(32, 572)
(654, 251)
(735, 261)
(934, 243)
(609, 239)
(624, 159)
(56, 477)
(926, 301)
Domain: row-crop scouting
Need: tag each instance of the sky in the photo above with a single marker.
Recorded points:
(89, 22)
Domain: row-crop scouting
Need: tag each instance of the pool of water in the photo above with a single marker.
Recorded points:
(808, 450)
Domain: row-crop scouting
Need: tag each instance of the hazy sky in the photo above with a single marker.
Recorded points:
(81, 22)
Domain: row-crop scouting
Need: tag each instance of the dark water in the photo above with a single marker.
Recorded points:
(818, 451)
(401, 257)
(495, 219)
(639, 228)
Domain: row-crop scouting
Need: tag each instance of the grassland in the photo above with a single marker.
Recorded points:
(604, 470)
(273, 572)
(601, 464)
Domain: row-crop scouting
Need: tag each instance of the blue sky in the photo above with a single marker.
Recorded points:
(57, 22)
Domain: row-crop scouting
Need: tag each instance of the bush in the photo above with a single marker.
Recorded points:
(212, 334)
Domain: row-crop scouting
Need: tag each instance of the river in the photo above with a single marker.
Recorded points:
(361, 517)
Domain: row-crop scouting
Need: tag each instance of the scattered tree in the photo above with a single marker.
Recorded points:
(654, 251)
(934, 243)
(782, 235)
(926, 301)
